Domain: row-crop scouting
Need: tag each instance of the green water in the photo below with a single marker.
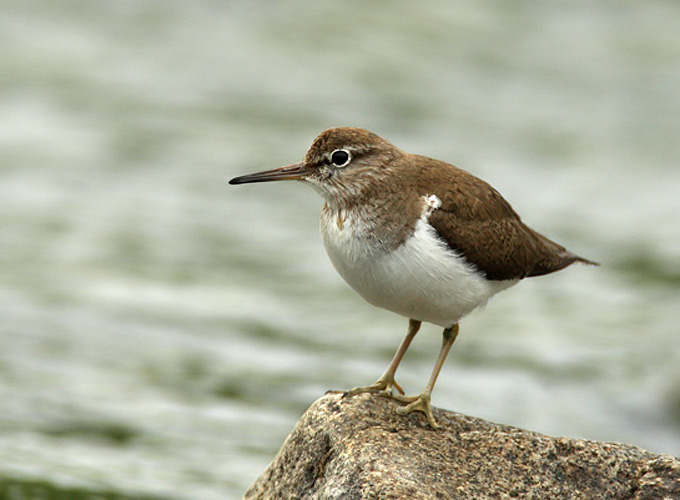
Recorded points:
(162, 331)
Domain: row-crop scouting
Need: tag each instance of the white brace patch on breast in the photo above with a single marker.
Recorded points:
(432, 203)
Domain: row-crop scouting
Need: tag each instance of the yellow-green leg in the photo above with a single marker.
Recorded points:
(386, 382)
(422, 401)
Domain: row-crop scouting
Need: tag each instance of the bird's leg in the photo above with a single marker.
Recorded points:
(386, 382)
(422, 401)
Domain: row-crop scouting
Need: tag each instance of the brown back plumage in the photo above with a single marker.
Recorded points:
(478, 223)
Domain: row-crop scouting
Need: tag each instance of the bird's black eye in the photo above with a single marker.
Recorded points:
(340, 157)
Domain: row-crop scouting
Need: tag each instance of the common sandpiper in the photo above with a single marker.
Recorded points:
(416, 236)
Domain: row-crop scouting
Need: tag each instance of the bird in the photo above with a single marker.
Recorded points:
(416, 236)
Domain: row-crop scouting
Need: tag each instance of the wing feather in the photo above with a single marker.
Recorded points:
(478, 223)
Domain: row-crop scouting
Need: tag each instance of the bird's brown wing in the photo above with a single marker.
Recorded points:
(479, 224)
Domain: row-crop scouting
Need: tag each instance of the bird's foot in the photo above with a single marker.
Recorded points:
(417, 403)
(383, 387)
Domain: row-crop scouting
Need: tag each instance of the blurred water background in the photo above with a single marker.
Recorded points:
(161, 331)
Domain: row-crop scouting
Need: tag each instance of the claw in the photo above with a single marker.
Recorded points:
(383, 387)
(417, 403)
(335, 391)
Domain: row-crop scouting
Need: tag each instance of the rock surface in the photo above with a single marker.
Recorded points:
(359, 448)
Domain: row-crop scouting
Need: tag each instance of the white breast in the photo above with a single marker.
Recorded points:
(422, 279)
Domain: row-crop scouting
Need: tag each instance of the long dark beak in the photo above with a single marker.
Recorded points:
(293, 172)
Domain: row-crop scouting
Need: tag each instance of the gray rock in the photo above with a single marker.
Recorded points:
(359, 448)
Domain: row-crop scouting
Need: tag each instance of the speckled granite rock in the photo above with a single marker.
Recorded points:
(359, 448)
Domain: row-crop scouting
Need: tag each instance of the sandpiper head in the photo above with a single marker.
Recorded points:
(341, 162)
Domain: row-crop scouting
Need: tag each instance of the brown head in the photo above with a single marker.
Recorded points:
(340, 163)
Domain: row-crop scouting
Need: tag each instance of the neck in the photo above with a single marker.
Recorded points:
(385, 216)
(347, 194)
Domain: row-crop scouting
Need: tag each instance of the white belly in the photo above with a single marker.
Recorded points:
(422, 279)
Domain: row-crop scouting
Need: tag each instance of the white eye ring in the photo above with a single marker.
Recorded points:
(341, 157)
